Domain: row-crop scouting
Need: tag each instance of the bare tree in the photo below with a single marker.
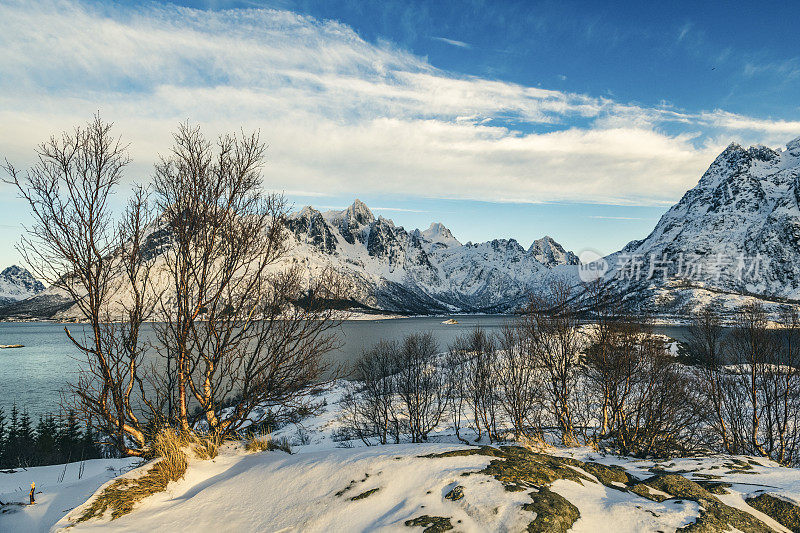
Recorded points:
(604, 305)
(479, 354)
(704, 342)
(238, 332)
(455, 369)
(551, 331)
(654, 405)
(751, 344)
(75, 246)
(421, 386)
(782, 390)
(520, 382)
(371, 405)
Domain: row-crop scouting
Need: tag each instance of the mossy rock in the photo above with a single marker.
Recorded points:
(432, 524)
(518, 467)
(554, 513)
(714, 515)
(715, 487)
(482, 450)
(785, 513)
(610, 476)
(521, 467)
(737, 466)
(707, 476)
(455, 494)
(679, 487)
(365, 494)
(640, 489)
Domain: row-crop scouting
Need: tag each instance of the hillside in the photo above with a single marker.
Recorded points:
(384, 266)
(17, 284)
(331, 484)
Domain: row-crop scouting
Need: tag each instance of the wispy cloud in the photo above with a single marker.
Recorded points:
(341, 115)
(684, 31)
(453, 42)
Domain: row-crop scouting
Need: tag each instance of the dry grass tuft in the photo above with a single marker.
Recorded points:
(534, 444)
(123, 494)
(260, 442)
(206, 447)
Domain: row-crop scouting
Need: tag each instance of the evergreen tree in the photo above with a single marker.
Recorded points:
(11, 451)
(47, 451)
(69, 438)
(2, 435)
(26, 440)
(89, 448)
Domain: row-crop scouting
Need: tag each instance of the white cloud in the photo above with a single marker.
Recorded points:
(452, 42)
(341, 115)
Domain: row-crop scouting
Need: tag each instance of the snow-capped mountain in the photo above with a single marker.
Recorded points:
(16, 283)
(386, 268)
(735, 235)
(737, 231)
(550, 253)
(423, 271)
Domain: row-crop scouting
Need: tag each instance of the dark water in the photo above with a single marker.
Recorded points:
(32, 376)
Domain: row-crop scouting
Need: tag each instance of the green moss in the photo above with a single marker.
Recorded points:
(714, 515)
(455, 494)
(715, 487)
(521, 467)
(554, 513)
(610, 476)
(640, 489)
(785, 513)
(365, 494)
(518, 468)
(738, 464)
(432, 524)
(708, 476)
(482, 450)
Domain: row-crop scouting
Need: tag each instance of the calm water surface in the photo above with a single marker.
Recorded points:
(32, 376)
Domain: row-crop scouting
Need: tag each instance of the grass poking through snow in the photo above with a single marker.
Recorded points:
(123, 494)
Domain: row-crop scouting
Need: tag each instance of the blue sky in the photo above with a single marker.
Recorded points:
(580, 120)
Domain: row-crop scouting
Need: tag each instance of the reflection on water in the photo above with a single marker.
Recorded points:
(32, 376)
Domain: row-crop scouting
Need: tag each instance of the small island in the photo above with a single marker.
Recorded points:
(450, 321)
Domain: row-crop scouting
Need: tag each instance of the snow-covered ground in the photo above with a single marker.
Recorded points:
(329, 485)
(59, 488)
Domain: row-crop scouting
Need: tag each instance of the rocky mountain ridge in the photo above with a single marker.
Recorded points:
(16, 284)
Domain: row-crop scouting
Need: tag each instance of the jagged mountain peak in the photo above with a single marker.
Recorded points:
(737, 230)
(793, 147)
(16, 283)
(548, 252)
(438, 233)
(359, 212)
(419, 271)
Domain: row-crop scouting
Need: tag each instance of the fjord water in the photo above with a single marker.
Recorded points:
(32, 376)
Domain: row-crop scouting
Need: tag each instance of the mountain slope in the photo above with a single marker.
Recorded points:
(423, 271)
(16, 284)
(737, 231)
(386, 268)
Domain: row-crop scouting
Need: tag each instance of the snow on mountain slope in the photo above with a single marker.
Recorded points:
(737, 231)
(550, 253)
(16, 283)
(423, 271)
(383, 266)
